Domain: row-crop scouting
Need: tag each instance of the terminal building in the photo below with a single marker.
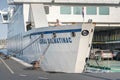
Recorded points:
(3, 43)
(103, 13)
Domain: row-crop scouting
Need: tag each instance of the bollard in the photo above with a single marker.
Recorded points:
(7, 57)
(36, 65)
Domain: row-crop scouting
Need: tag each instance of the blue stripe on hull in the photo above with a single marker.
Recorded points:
(56, 31)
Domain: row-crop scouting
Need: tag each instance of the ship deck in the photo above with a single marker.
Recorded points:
(13, 70)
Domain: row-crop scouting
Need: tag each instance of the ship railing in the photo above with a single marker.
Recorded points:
(89, 1)
(103, 2)
(29, 1)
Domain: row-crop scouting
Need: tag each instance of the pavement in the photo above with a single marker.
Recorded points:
(11, 69)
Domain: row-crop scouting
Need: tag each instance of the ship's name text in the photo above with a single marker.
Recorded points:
(55, 40)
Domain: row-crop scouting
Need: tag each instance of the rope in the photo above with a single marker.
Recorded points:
(26, 46)
(42, 56)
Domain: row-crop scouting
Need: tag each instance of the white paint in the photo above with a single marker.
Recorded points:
(12, 72)
(21, 62)
(43, 78)
(39, 17)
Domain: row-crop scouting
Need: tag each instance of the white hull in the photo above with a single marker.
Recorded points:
(59, 49)
(63, 53)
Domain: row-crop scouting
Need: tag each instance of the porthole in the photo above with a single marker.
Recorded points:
(85, 32)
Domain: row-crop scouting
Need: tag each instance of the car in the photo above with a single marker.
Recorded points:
(103, 54)
(92, 53)
(116, 54)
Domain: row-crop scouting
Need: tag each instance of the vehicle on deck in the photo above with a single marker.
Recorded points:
(116, 54)
(103, 54)
(92, 53)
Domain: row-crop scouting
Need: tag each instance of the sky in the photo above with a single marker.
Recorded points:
(3, 27)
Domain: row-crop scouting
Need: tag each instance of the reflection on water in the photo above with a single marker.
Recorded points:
(112, 65)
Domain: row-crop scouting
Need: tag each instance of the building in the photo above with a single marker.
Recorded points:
(3, 43)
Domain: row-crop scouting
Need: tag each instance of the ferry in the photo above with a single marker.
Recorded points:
(37, 32)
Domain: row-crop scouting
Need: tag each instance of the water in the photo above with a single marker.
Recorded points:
(4, 51)
(104, 66)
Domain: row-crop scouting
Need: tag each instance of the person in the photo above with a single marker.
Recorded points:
(58, 23)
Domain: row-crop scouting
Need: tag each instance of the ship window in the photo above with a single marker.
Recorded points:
(5, 17)
(65, 10)
(91, 10)
(46, 9)
(77, 10)
(29, 26)
(73, 34)
(103, 10)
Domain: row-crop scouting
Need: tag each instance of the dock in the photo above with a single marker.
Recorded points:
(12, 70)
